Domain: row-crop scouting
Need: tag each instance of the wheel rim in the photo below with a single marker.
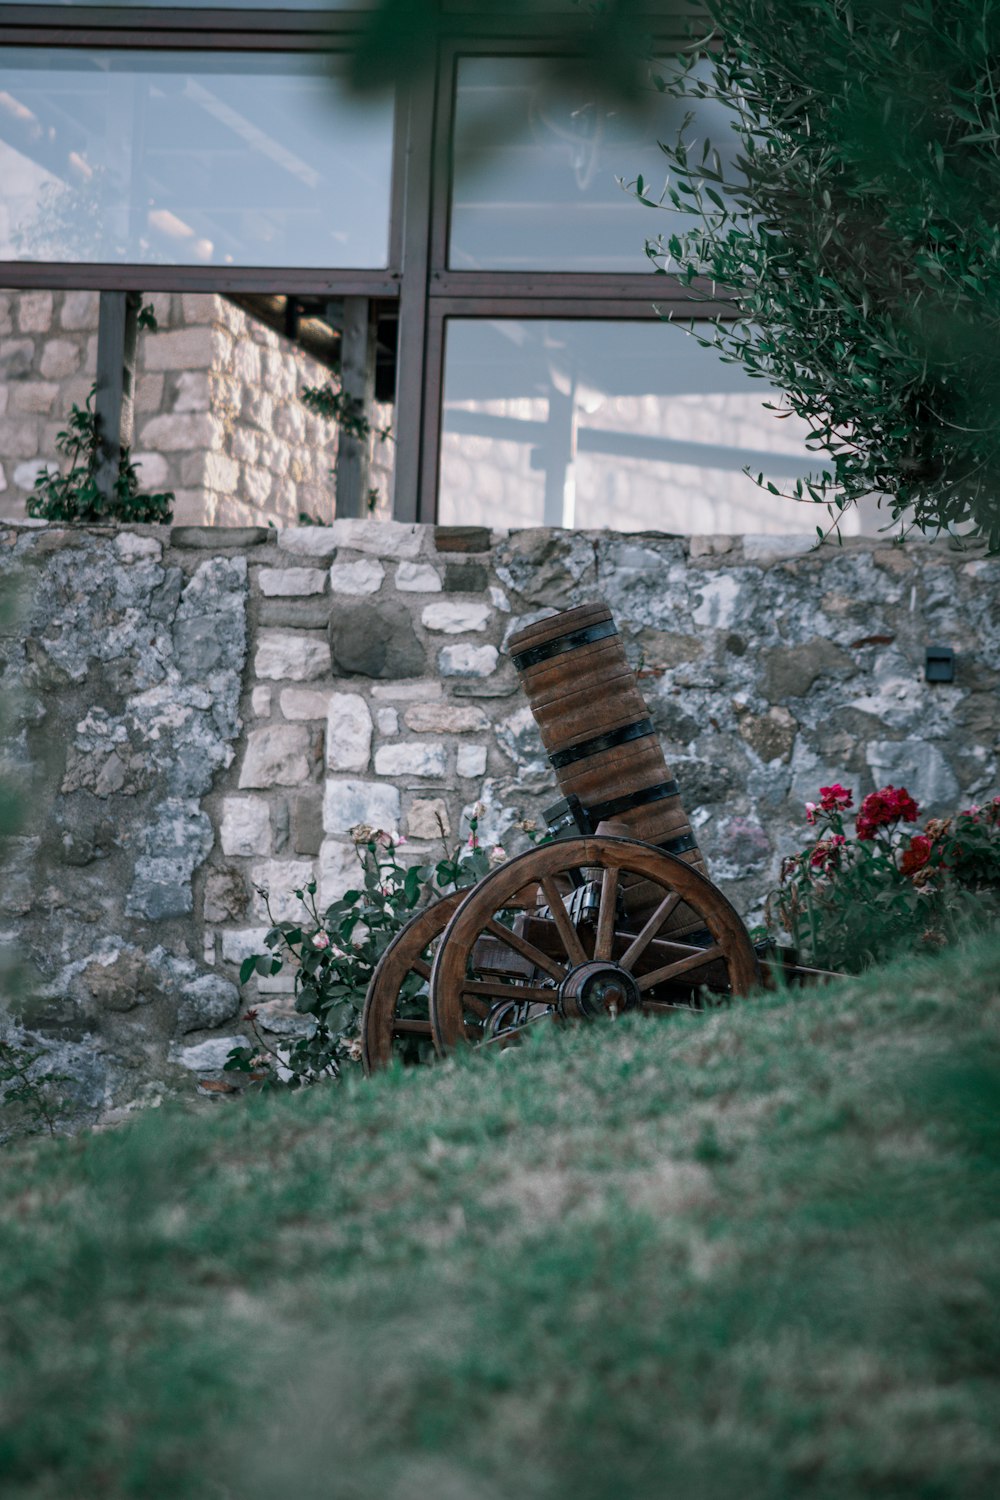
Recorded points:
(554, 964)
(382, 1027)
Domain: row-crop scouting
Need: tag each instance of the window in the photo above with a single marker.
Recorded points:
(625, 424)
(188, 158)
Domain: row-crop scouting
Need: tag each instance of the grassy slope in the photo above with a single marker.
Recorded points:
(754, 1252)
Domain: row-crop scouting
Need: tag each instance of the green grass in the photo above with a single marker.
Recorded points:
(751, 1253)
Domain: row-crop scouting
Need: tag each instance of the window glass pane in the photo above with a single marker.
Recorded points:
(544, 196)
(186, 158)
(631, 426)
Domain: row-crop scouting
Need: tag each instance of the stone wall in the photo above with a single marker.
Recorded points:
(200, 712)
(218, 415)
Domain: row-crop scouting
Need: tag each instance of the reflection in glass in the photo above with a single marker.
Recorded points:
(184, 158)
(545, 195)
(631, 426)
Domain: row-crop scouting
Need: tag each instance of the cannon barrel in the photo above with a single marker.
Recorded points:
(600, 739)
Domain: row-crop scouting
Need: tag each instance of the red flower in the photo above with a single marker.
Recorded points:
(835, 798)
(879, 809)
(917, 854)
(826, 855)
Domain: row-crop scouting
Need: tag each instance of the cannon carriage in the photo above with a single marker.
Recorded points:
(616, 913)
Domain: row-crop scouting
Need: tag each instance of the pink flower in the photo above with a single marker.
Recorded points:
(811, 810)
(836, 798)
(498, 854)
(320, 940)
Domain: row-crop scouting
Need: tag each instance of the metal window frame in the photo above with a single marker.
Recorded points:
(429, 292)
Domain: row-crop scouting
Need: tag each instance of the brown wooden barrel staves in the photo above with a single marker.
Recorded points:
(595, 725)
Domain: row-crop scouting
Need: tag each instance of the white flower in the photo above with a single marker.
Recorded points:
(362, 833)
(478, 811)
(498, 854)
(320, 940)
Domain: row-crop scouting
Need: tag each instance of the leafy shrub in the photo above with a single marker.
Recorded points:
(852, 901)
(856, 234)
(75, 496)
(334, 953)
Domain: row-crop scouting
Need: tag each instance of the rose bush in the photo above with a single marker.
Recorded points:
(332, 954)
(849, 900)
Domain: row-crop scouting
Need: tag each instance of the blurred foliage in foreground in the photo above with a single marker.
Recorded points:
(859, 227)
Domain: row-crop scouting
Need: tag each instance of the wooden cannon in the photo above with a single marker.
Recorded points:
(616, 913)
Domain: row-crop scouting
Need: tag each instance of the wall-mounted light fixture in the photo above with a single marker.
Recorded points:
(939, 664)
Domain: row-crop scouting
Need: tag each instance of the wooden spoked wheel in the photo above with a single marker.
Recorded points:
(396, 1014)
(549, 933)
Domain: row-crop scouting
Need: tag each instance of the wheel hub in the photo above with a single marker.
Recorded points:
(597, 989)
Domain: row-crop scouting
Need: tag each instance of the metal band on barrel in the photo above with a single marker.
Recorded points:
(648, 794)
(635, 731)
(679, 845)
(561, 643)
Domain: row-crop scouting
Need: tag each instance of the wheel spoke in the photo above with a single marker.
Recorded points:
(695, 960)
(422, 967)
(639, 944)
(606, 914)
(526, 950)
(472, 1002)
(574, 948)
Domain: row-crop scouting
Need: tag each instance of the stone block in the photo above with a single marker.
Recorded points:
(465, 578)
(387, 720)
(362, 577)
(281, 878)
(225, 895)
(462, 538)
(260, 700)
(291, 655)
(34, 312)
(378, 538)
(790, 671)
(367, 640)
(348, 803)
(197, 308)
(295, 614)
(192, 391)
(215, 470)
(465, 660)
(278, 755)
(181, 434)
(60, 358)
(35, 396)
(213, 538)
(286, 582)
(406, 692)
(133, 548)
(154, 471)
(418, 578)
(16, 358)
(79, 310)
(921, 767)
(470, 761)
(305, 703)
(339, 871)
(307, 821)
(428, 819)
(18, 438)
(207, 1001)
(770, 735)
(246, 826)
(236, 946)
(455, 619)
(24, 475)
(445, 718)
(308, 541)
(206, 1057)
(764, 548)
(413, 758)
(348, 733)
(199, 348)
